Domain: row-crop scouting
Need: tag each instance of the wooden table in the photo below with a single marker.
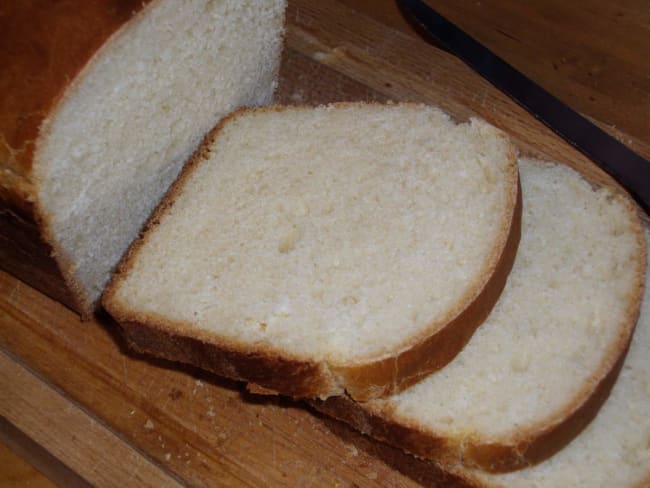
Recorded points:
(80, 407)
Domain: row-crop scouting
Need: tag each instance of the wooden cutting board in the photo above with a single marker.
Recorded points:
(85, 410)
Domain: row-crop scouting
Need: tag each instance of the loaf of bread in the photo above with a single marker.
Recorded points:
(317, 251)
(537, 370)
(101, 102)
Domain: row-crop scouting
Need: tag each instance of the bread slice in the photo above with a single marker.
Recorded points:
(614, 449)
(100, 105)
(314, 251)
(535, 373)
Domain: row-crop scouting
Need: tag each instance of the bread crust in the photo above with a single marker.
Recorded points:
(267, 367)
(504, 455)
(49, 44)
(524, 446)
(25, 254)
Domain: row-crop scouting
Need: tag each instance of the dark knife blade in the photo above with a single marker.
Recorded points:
(630, 169)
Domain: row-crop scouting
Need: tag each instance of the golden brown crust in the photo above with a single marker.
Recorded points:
(453, 453)
(45, 46)
(297, 378)
(424, 472)
(24, 254)
(261, 364)
(373, 423)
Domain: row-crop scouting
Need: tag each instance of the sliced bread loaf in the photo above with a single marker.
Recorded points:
(101, 102)
(314, 251)
(537, 370)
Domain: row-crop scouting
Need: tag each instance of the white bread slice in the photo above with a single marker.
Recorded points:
(614, 449)
(539, 367)
(118, 95)
(313, 251)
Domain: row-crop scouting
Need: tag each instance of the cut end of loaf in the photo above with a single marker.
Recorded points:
(342, 236)
(125, 126)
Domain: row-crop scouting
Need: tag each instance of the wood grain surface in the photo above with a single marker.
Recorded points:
(84, 410)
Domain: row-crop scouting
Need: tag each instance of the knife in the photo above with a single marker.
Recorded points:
(630, 169)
